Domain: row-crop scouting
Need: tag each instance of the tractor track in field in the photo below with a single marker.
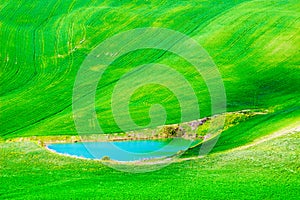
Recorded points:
(293, 129)
(268, 138)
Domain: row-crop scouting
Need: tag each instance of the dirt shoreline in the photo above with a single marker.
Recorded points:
(146, 134)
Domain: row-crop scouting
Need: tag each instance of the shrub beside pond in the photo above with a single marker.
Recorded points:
(105, 158)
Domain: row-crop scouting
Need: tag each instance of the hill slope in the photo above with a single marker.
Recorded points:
(255, 45)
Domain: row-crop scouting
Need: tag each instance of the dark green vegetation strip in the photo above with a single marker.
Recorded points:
(255, 127)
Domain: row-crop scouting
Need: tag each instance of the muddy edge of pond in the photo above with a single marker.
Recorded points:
(178, 130)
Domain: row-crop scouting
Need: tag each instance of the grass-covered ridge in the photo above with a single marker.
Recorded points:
(254, 44)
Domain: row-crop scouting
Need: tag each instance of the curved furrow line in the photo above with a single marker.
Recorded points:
(58, 61)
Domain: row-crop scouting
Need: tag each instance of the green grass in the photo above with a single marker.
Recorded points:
(267, 171)
(255, 45)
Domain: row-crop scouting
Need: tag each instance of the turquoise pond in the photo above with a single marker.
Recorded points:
(124, 150)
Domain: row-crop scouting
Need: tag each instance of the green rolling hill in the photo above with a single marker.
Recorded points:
(254, 44)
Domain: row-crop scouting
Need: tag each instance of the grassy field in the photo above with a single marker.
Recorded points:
(266, 171)
(255, 45)
(43, 45)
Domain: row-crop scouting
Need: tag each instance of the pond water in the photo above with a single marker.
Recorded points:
(124, 150)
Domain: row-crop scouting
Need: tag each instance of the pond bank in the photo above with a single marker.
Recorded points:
(196, 129)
